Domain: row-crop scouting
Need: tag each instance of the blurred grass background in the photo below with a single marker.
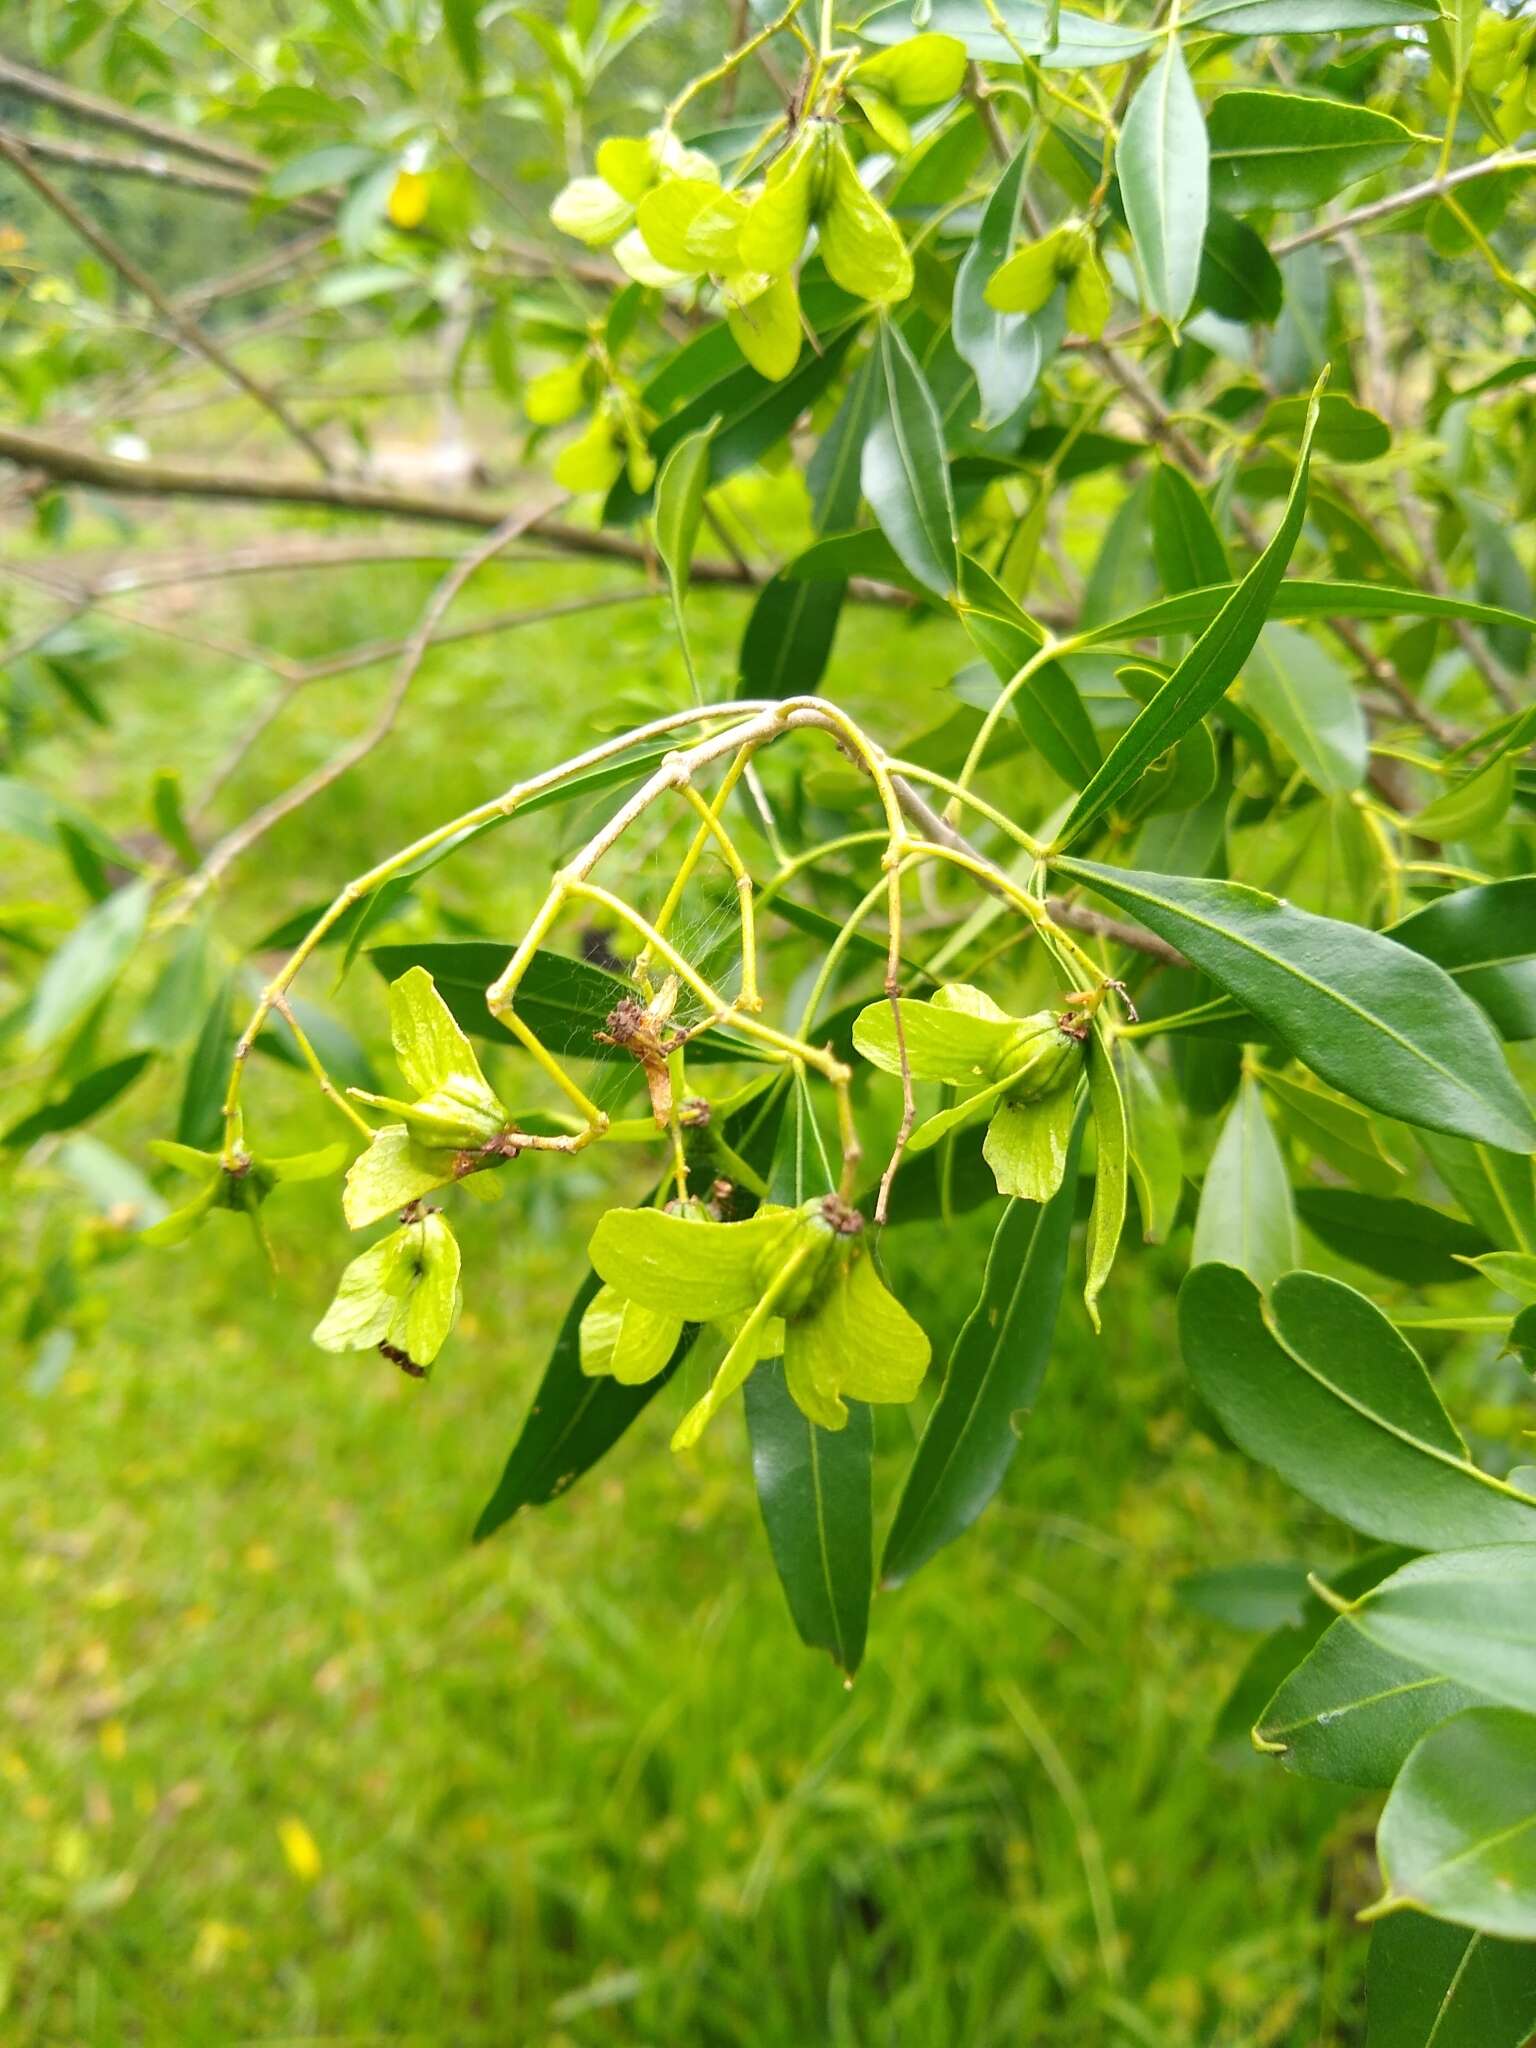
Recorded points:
(285, 1759)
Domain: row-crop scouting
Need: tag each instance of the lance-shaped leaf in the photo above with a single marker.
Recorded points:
(1458, 1835)
(1330, 1125)
(1308, 701)
(1185, 544)
(1350, 1711)
(1319, 1385)
(1301, 599)
(87, 964)
(1431, 1985)
(1381, 1023)
(1164, 165)
(1005, 351)
(993, 1378)
(1047, 706)
(905, 472)
(814, 1491)
(1496, 1189)
(1485, 938)
(680, 487)
(1405, 1240)
(1246, 1216)
(1205, 674)
(1156, 1157)
(1470, 1614)
(1278, 149)
(1302, 18)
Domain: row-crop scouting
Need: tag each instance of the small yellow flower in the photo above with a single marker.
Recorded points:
(300, 1849)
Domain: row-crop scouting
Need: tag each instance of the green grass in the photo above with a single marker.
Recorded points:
(286, 1759)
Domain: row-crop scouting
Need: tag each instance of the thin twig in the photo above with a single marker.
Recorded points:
(243, 837)
(36, 85)
(19, 157)
(1399, 202)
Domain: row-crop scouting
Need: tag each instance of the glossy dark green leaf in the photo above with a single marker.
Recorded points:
(1156, 1158)
(1431, 1985)
(905, 470)
(1458, 1835)
(1485, 939)
(1006, 351)
(1246, 1596)
(992, 1380)
(1351, 1711)
(1246, 1216)
(788, 639)
(1239, 279)
(1279, 149)
(1164, 166)
(1386, 1234)
(1050, 713)
(565, 1001)
(91, 1094)
(813, 1486)
(1496, 1189)
(1187, 548)
(1318, 1385)
(1329, 1125)
(1377, 1021)
(681, 483)
(1203, 677)
(575, 1418)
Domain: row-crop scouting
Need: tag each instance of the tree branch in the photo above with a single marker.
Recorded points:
(1399, 202)
(87, 106)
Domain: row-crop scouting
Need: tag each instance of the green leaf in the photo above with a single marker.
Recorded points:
(854, 1338)
(1472, 805)
(1185, 544)
(87, 964)
(1246, 1216)
(1302, 17)
(200, 1118)
(1005, 351)
(1050, 713)
(565, 1001)
(1404, 1240)
(1458, 1835)
(165, 808)
(992, 1381)
(1061, 39)
(91, 1094)
(1377, 1021)
(1299, 599)
(1106, 1219)
(1203, 677)
(1331, 1126)
(1467, 1613)
(905, 473)
(1164, 166)
(1350, 1711)
(1511, 1272)
(1156, 1157)
(1345, 431)
(1319, 1386)
(680, 487)
(461, 18)
(814, 1489)
(1247, 1596)
(1496, 1189)
(1430, 1985)
(788, 639)
(1308, 701)
(1239, 279)
(1277, 149)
